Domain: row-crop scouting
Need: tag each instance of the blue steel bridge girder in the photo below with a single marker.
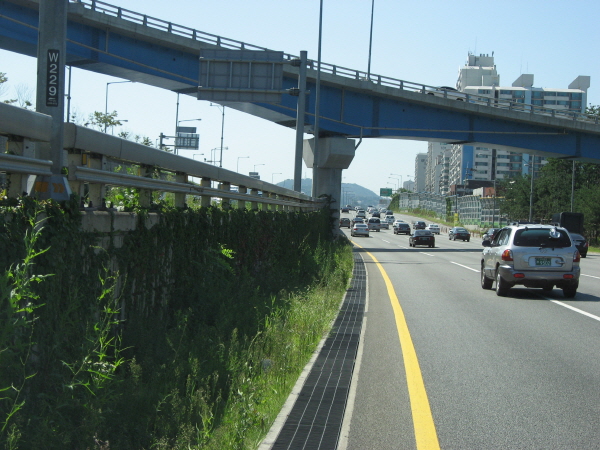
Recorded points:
(349, 108)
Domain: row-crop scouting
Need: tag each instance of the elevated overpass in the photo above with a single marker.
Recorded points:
(130, 45)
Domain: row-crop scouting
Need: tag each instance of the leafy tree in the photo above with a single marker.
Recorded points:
(24, 93)
(3, 79)
(516, 197)
(103, 121)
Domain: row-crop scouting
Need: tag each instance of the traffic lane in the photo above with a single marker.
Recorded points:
(500, 371)
(468, 254)
(381, 414)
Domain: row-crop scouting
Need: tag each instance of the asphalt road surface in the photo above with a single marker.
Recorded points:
(445, 364)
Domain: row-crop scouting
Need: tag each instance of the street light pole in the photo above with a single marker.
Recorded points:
(494, 207)
(370, 41)
(222, 108)
(398, 175)
(531, 193)
(106, 99)
(573, 187)
(237, 169)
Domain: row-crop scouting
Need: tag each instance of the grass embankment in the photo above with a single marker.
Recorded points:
(207, 366)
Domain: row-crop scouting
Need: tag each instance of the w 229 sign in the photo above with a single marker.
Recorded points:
(52, 78)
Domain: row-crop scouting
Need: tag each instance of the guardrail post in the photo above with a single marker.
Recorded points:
(17, 182)
(74, 160)
(205, 199)
(242, 203)
(180, 197)
(145, 194)
(276, 207)
(225, 202)
(96, 191)
(254, 203)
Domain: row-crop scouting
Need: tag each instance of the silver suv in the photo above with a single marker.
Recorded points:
(535, 256)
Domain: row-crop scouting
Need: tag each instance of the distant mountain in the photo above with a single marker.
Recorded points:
(352, 194)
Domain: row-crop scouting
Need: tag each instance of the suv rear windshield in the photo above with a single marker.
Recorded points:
(541, 237)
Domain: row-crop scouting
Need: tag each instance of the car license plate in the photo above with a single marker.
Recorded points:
(543, 261)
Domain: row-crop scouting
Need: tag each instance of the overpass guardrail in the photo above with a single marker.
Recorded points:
(101, 160)
(196, 35)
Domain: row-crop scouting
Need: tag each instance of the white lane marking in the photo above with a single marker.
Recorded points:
(428, 254)
(591, 276)
(386, 241)
(574, 309)
(466, 267)
(552, 300)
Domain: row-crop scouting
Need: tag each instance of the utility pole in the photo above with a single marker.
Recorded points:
(50, 94)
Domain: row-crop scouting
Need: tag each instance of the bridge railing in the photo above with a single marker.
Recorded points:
(101, 160)
(213, 39)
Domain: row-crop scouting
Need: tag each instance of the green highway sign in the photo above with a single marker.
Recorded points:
(385, 192)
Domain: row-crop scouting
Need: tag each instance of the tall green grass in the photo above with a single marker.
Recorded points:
(194, 343)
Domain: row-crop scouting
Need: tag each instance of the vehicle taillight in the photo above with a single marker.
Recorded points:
(507, 255)
(576, 256)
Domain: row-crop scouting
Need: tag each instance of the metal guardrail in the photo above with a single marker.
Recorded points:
(191, 33)
(24, 165)
(86, 145)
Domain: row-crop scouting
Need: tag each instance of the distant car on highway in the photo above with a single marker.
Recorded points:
(581, 243)
(459, 233)
(359, 229)
(445, 92)
(419, 225)
(422, 237)
(401, 227)
(489, 234)
(374, 224)
(345, 222)
(435, 229)
(345, 209)
(361, 213)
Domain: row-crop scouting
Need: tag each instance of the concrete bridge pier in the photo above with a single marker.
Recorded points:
(335, 154)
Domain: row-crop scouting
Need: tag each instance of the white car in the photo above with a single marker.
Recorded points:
(435, 229)
(359, 229)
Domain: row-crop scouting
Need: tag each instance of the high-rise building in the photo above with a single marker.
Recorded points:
(435, 170)
(420, 172)
(479, 76)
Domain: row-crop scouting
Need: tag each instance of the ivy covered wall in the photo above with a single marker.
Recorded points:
(92, 336)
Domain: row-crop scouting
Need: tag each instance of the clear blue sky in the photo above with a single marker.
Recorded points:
(424, 42)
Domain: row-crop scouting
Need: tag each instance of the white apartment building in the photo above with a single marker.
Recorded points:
(435, 170)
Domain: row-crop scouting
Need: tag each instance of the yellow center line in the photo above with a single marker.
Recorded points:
(425, 433)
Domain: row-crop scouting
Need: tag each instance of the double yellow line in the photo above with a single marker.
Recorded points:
(425, 433)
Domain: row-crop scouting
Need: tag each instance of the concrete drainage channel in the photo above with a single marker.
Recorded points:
(313, 414)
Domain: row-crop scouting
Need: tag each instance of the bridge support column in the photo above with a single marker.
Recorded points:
(335, 154)
(205, 199)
